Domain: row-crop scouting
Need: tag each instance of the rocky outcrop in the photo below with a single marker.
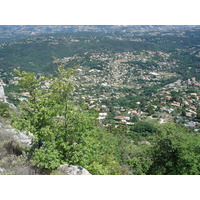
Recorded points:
(23, 138)
(72, 170)
(10, 133)
(2, 94)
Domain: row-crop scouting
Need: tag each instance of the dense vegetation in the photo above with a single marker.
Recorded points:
(151, 77)
(65, 133)
(4, 110)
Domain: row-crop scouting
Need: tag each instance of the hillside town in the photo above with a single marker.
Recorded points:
(107, 100)
(137, 73)
(120, 92)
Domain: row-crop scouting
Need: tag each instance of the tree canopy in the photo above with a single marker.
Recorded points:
(62, 132)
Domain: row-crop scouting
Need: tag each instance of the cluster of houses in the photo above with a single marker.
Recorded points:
(165, 107)
(94, 86)
(99, 85)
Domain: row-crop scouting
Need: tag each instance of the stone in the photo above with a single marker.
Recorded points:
(2, 94)
(2, 170)
(23, 138)
(72, 170)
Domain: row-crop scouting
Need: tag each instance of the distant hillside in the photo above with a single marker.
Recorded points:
(15, 31)
(36, 51)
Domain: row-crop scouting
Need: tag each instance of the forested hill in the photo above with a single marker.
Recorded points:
(37, 52)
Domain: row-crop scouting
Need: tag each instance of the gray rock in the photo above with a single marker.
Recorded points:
(23, 138)
(2, 169)
(72, 170)
(9, 133)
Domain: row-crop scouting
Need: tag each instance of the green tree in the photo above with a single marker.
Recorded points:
(150, 110)
(198, 114)
(4, 110)
(134, 118)
(62, 132)
(176, 154)
(144, 128)
(134, 157)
